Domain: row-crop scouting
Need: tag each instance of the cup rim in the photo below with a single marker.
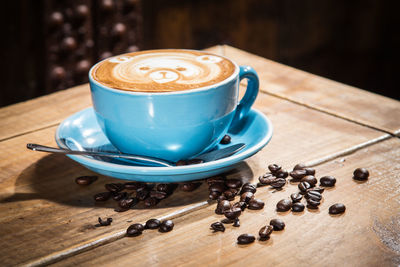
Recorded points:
(189, 91)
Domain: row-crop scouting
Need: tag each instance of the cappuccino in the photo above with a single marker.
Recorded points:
(162, 70)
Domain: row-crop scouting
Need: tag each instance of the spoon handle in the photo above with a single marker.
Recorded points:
(148, 160)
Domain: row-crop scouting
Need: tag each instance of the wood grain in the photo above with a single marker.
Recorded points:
(41, 204)
(367, 234)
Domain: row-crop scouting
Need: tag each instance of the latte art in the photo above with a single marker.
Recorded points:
(163, 70)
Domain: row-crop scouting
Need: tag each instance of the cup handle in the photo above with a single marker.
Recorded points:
(246, 72)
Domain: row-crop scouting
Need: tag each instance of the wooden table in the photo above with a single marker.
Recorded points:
(48, 219)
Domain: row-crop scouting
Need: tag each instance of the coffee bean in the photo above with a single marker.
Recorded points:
(246, 197)
(218, 227)
(166, 226)
(278, 224)
(337, 208)
(300, 166)
(216, 179)
(225, 140)
(360, 174)
(217, 187)
(103, 196)
(266, 179)
(236, 223)
(298, 174)
(233, 183)
(242, 205)
(152, 224)
(222, 206)
(135, 229)
(284, 205)
(102, 222)
(310, 179)
(310, 171)
(265, 232)
(303, 186)
(297, 207)
(127, 203)
(227, 221)
(189, 187)
(256, 204)
(233, 213)
(134, 186)
(278, 183)
(150, 202)
(166, 188)
(318, 189)
(230, 194)
(274, 168)
(247, 187)
(114, 187)
(85, 180)
(214, 195)
(296, 197)
(311, 194)
(281, 173)
(221, 197)
(245, 239)
(142, 194)
(327, 181)
(313, 203)
(158, 195)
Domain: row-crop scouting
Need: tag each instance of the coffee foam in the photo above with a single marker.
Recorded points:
(162, 70)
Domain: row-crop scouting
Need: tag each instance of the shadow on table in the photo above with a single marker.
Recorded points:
(52, 178)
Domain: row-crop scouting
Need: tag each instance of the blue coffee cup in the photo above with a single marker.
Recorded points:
(173, 125)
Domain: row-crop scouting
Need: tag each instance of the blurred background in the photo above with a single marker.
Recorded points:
(50, 45)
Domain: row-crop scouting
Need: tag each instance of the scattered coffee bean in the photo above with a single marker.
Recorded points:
(233, 183)
(166, 226)
(303, 186)
(217, 187)
(215, 179)
(282, 174)
(102, 222)
(142, 194)
(225, 140)
(318, 189)
(222, 206)
(284, 205)
(134, 186)
(236, 223)
(278, 224)
(166, 188)
(296, 197)
(360, 174)
(327, 181)
(230, 194)
(247, 187)
(120, 195)
(217, 227)
(157, 194)
(214, 195)
(311, 194)
(150, 202)
(337, 208)
(115, 187)
(135, 229)
(246, 197)
(152, 224)
(298, 174)
(274, 167)
(313, 203)
(266, 179)
(310, 179)
(85, 180)
(300, 166)
(245, 239)
(297, 207)
(103, 196)
(255, 204)
(189, 187)
(242, 205)
(265, 232)
(221, 197)
(278, 183)
(233, 213)
(227, 221)
(127, 203)
(310, 171)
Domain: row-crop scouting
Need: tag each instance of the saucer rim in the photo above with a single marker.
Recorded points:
(152, 170)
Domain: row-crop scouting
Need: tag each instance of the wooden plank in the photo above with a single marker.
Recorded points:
(38, 189)
(366, 235)
(323, 94)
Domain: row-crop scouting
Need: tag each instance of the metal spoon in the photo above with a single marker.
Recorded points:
(209, 156)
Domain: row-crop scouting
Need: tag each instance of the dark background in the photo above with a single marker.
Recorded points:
(50, 45)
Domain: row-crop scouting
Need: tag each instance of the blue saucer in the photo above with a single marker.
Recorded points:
(81, 132)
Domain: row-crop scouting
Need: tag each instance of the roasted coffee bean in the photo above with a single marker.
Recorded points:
(303, 186)
(298, 174)
(181, 163)
(327, 181)
(278, 224)
(135, 186)
(233, 183)
(233, 213)
(152, 224)
(127, 203)
(227, 221)
(310, 179)
(135, 229)
(217, 187)
(85, 180)
(337, 208)
(266, 179)
(311, 194)
(296, 197)
(142, 194)
(360, 174)
(247, 187)
(150, 202)
(282, 174)
(310, 171)
(242, 205)
(230, 194)
(273, 168)
(313, 203)
(102, 222)
(115, 187)
(284, 205)
(216, 179)
(189, 187)
(221, 197)
(103, 196)
(166, 188)
(300, 166)
(318, 189)
(225, 140)
(158, 195)
(214, 195)
(236, 223)
(255, 204)
(265, 232)
(245, 239)
(297, 207)
(246, 197)
(120, 195)
(278, 183)
(166, 226)
(222, 206)
(217, 227)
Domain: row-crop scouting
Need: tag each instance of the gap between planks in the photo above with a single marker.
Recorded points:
(58, 256)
